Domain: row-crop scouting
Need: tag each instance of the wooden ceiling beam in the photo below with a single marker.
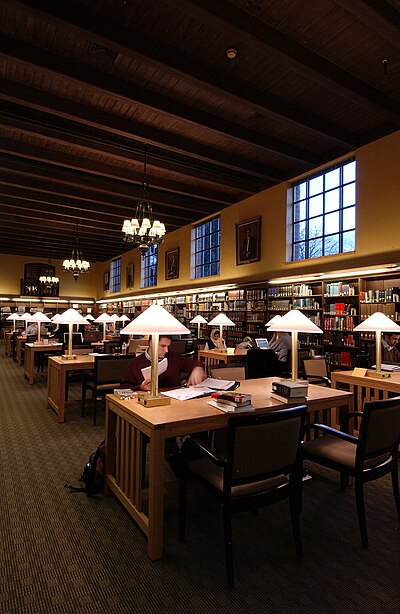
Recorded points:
(92, 189)
(378, 15)
(154, 101)
(134, 43)
(128, 128)
(57, 158)
(244, 26)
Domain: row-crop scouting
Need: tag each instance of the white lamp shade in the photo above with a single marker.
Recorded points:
(124, 318)
(155, 319)
(295, 321)
(115, 317)
(378, 321)
(104, 318)
(56, 318)
(71, 316)
(89, 317)
(221, 320)
(13, 316)
(198, 320)
(273, 321)
(39, 317)
(26, 316)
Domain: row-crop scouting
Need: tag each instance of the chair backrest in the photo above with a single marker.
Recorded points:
(77, 338)
(315, 367)
(379, 428)
(110, 344)
(261, 446)
(134, 344)
(178, 346)
(231, 372)
(262, 363)
(109, 369)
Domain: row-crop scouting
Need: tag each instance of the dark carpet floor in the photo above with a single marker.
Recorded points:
(63, 552)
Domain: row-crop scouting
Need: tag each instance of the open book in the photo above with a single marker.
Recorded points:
(201, 390)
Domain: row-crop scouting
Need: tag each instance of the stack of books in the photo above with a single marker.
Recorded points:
(290, 392)
(231, 402)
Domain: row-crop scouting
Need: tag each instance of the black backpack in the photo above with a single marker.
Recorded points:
(93, 473)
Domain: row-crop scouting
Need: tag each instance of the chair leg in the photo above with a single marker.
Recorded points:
(228, 545)
(395, 484)
(359, 489)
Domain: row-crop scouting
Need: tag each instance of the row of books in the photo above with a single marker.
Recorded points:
(340, 309)
(389, 295)
(330, 338)
(339, 323)
(339, 358)
(340, 289)
(306, 303)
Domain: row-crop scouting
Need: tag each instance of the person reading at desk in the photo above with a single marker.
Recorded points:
(177, 366)
(390, 350)
(214, 342)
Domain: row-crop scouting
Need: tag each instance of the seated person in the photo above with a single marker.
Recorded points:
(281, 343)
(390, 354)
(214, 342)
(178, 364)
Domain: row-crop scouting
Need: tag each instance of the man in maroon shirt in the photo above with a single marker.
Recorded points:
(178, 365)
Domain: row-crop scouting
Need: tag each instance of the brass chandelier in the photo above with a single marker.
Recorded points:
(76, 264)
(143, 231)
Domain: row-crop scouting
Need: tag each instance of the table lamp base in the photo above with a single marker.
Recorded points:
(148, 401)
(381, 375)
(68, 356)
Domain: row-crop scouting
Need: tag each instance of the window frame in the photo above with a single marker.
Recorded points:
(115, 275)
(325, 238)
(206, 262)
(148, 278)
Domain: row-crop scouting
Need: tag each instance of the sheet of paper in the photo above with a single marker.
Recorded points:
(385, 367)
(184, 394)
(215, 384)
(161, 367)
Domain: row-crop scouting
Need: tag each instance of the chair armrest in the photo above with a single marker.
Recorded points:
(219, 461)
(331, 431)
(319, 378)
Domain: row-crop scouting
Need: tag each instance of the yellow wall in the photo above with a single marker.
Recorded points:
(377, 238)
(12, 271)
(377, 235)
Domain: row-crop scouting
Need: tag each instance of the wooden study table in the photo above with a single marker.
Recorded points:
(8, 339)
(29, 361)
(127, 421)
(19, 346)
(57, 378)
(214, 357)
(366, 388)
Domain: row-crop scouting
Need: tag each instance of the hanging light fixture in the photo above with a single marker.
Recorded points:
(142, 231)
(49, 279)
(76, 265)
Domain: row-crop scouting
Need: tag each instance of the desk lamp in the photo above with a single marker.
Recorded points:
(39, 317)
(124, 318)
(13, 317)
(198, 320)
(295, 322)
(155, 321)
(273, 321)
(378, 323)
(114, 318)
(70, 317)
(89, 317)
(221, 320)
(103, 319)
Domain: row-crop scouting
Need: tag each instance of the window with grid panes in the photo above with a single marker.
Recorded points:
(149, 267)
(206, 248)
(115, 275)
(324, 213)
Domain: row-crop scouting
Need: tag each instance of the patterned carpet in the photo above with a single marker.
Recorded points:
(62, 552)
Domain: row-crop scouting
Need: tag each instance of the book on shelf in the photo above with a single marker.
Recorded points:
(229, 409)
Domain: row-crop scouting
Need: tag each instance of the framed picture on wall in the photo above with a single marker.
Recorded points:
(172, 264)
(248, 241)
(106, 283)
(129, 276)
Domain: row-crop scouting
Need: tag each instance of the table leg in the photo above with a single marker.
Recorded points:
(156, 496)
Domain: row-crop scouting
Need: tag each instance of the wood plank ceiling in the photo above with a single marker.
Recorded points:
(87, 83)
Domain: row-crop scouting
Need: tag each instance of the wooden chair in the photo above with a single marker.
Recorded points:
(261, 465)
(315, 370)
(262, 363)
(235, 372)
(105, 377)
(367, 457)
